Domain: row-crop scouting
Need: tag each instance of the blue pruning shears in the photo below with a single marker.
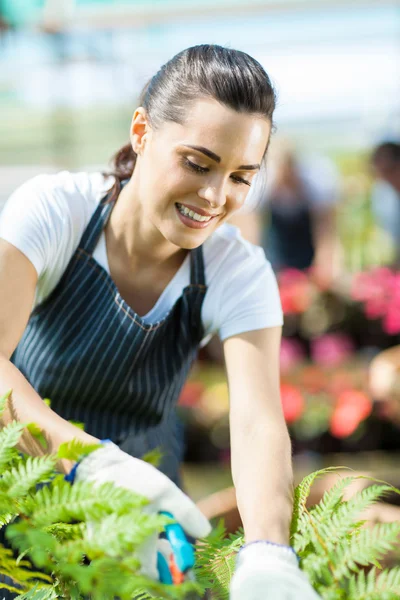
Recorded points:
(179, 566)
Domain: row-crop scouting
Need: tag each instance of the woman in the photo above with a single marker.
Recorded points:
(299, 202)
(128, 275)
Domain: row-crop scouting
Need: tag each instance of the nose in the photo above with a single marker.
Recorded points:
(214, 193)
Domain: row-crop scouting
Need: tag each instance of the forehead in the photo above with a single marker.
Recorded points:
(234, 136)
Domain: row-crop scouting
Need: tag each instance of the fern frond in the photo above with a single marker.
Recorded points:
(75, 450)
(39, 593)
(215, 561)
(62, 502)
(118, 535)
(301, 493)
(3, 401)
(343, 520)
(367, 546)
(20, 479)
(375, 586)
(331, 500)
(37, 433)
(21, 573)
(9, 438)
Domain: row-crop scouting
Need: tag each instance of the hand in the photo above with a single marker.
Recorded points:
(109, 463)
(266, 571)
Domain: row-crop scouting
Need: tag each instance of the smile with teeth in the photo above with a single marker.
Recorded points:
(191, 214)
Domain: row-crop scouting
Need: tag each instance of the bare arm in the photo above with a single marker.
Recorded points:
(260, 444)
(326, 258)
(18, 280)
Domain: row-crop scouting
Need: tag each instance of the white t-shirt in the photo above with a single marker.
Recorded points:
(46, 217)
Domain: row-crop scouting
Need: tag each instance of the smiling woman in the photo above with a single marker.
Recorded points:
(129, 273)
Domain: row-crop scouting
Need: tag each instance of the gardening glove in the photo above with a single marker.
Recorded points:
(267, 571)
(109, 463)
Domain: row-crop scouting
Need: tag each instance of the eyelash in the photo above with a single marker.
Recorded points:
(201, 170)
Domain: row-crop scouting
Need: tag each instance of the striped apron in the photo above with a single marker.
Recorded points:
(99, 363)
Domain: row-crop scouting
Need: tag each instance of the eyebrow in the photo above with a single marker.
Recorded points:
(217, 158)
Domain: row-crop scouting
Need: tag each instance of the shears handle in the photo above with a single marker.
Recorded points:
(182, 558)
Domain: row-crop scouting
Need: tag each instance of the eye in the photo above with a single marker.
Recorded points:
(237, 179)
(193, 166)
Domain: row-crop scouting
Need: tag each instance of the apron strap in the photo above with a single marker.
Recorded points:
(96, 225)
(197, 275)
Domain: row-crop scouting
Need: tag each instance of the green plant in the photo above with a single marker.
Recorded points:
(71, 541)
(340, 555)
(76, 542)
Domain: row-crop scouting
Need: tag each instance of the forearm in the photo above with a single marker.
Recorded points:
(26, 406)
(263, 478)
(325, 239)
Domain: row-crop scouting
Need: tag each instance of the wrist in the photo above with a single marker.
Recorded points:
(71, 467)
(266, 550)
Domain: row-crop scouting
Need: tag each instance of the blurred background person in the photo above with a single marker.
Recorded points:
(385, 196)
(296, 198)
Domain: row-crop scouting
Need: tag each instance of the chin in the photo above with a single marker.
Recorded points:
(186, 242)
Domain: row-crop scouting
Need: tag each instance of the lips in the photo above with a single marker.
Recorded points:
(197, 210)
(188, 217)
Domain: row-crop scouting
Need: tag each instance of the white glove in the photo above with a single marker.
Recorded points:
(266, 571)
(109, 463)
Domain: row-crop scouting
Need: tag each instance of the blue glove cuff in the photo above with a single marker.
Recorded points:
(71, 475)
(270, 544)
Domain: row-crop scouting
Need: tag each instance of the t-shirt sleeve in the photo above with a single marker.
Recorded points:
(249, 297)
(26, 223)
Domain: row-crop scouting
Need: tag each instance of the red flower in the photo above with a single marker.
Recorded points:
(292, 402)
(191, 393)
(353, 407)
(295, 291)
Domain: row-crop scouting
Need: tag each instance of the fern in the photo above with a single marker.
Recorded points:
(374, 586)
(367, 546)
(301, 493)
(9, 438)
(3, 401)
(75, 450)
(85, 540)
(215, 561)
(20, 479)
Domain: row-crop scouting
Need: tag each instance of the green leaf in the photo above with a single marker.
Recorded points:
(75, 450)
(153, 457)
(20, 479)
(3, 401)
(9, 438)
(301, 493)
(37, 433)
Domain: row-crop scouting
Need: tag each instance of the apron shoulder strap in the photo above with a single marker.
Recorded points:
(197, 274)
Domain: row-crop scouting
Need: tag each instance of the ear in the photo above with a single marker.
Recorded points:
(139, 129)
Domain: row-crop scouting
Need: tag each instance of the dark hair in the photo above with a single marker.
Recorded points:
(387, 151)
(231, 77)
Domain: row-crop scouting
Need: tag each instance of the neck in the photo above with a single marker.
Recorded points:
(135, 238)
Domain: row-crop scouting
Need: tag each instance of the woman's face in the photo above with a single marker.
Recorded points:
(192, 177)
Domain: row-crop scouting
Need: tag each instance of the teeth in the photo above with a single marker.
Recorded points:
(190, 213)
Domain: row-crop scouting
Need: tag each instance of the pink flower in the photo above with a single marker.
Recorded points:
(331, 349)
(295, 291)
(292, 354)
(391, 320)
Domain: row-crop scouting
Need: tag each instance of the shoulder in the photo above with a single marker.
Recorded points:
(45, 217)
(65, 189)
(229, 258)
(228, 247)
(242, 289)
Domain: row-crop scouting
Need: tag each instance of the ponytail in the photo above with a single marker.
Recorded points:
(122, 164)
